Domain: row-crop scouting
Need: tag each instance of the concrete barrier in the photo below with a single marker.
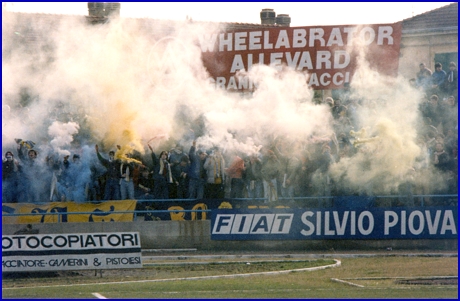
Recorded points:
(197, 234)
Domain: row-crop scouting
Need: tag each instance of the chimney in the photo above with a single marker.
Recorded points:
(103, 9)
(112, 9)
(283, 20)
(267, 16)
(96, 9)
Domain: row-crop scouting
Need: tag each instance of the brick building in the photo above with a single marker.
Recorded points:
(430, 37)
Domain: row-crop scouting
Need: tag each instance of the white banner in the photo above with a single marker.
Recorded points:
(51, 252)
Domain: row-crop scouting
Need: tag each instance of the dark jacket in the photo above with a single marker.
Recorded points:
(196, 168)
(124, 166)
(113, 167)
(10, 170)
(167, 172)
(253, 170)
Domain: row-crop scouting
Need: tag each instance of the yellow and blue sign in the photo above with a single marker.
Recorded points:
(55, 212)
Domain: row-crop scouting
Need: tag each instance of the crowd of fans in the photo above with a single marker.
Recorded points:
(280, 169)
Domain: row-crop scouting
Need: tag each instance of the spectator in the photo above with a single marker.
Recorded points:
(175, 155)
(145, 185)
(271, 167)
(452, 186)
(343, 124)
(324, 160)
(126, 181)
(136, 158)
(29, 184)
(80, 174)
(345, 146)
(253, 177)
(162, 174)
(293, 173)
(63, 187)
(197, 172)
(112, 176)
(235, 172)
(427, 130)
(442, 162)
(423, 78)
(307, 169)
(66, 162)
(94, 187)
(52, 179)
(451, 86)
(441, 159)
(423, 106)
(10, 178)
(290, 164)
(450, 140)
(215, 166)
(31, 155)
(329, 101)
(421, 166)
(291, 183)
(352, 113)
(437, 80)
(345, 93)
(450, 113)
(405, 189)
(24, 146)
(438, 139)
(143, 190)
(435, 112)
(337, 109)
(180, 176)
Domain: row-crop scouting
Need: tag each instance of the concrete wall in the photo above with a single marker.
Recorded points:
(422, 47)
(196, 234)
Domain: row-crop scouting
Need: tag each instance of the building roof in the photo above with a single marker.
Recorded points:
(31, 28)
(440, 19)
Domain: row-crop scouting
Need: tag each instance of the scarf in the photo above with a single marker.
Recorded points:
(166, 173)
(217, 167)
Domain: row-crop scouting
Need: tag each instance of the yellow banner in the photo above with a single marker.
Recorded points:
(9, 208)
(62, 212)
(103, 212)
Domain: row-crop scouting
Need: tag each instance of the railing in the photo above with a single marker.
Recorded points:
(294, 202)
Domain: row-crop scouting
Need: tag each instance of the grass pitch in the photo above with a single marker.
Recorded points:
(359, 278)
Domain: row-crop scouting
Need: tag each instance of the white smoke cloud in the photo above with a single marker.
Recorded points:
(62, 136)
(125, 82)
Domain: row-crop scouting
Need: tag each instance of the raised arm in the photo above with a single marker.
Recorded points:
(155, 160)
(101, 159)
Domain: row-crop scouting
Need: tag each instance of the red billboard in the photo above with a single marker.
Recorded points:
(328, 55)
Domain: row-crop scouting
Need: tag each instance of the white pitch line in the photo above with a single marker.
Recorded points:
(99, 296)
(336, 264)
(346, 282)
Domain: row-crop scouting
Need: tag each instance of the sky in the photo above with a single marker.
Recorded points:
(301, 13)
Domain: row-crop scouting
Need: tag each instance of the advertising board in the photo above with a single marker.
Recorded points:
(79, 251)
(335, 223)
(327, 55)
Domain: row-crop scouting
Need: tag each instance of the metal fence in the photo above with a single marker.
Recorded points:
(294, 202)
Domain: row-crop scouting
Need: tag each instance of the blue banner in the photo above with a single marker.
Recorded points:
(335, 223)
